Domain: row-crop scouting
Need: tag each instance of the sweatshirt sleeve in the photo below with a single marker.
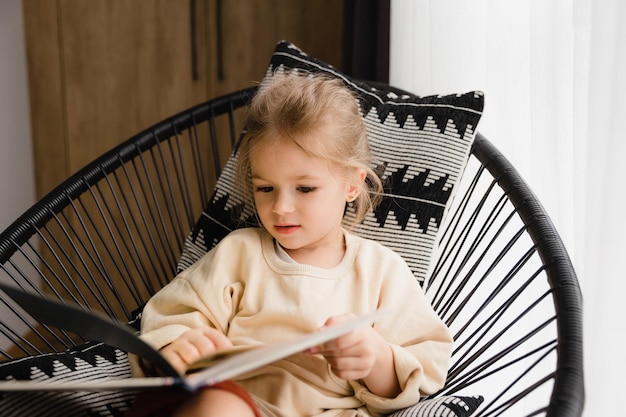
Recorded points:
(199, 296)
(421, 344)
(208, 293)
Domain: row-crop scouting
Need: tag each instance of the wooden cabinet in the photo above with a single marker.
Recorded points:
(101, 71)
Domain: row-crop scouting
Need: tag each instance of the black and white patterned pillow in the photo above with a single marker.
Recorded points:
(446, 406)
(88, 362)
(420, 147)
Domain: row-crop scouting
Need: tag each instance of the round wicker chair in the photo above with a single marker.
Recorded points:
(111, 235)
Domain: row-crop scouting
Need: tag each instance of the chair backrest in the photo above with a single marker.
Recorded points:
(111, 235)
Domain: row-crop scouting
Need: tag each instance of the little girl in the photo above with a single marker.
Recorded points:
(305, 156)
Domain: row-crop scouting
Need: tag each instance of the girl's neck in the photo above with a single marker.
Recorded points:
(327, 256)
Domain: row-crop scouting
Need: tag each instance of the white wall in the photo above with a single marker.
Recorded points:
(17, 189)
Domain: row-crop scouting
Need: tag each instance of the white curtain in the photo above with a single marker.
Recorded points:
(554, 77)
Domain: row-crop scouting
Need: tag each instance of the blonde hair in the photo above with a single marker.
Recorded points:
(291, 106)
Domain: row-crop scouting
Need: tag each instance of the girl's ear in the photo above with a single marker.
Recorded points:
(356, 185)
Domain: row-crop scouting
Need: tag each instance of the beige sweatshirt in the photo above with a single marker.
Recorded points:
(244, 289)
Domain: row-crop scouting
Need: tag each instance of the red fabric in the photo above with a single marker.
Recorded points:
(164, 402)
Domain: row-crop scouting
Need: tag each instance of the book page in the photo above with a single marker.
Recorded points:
(217, 356)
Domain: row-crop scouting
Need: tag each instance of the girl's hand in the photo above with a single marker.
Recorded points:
(193, 345)
(361, 354)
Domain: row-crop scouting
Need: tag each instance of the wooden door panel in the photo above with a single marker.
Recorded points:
(127, 65)
(250, 30)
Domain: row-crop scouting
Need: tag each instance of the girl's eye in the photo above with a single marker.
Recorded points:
(306, 189)
(264, 189)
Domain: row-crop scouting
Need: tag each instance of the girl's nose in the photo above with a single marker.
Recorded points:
(283, 203)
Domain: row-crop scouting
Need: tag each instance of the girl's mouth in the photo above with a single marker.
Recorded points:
(286, 229)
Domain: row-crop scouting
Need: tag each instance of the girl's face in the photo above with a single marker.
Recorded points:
(300, 200)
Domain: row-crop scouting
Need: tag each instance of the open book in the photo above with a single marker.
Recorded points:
(221, 366)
